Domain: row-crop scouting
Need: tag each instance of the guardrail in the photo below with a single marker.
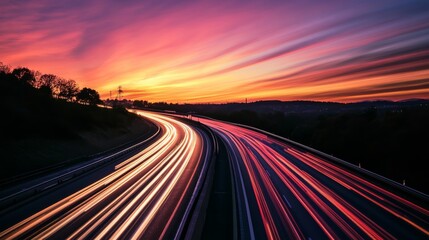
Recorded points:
(192, 222)
(47, 184)
(63, 164)
(407, 189)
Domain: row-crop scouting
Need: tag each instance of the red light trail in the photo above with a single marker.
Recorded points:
(299, 195)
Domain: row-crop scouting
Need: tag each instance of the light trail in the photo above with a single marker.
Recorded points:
(138, 200)
(298, 195)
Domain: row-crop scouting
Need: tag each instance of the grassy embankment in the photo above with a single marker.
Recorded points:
(64, 134)
(38, 130)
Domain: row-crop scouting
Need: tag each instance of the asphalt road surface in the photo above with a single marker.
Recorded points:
(280, 191)
(145, 197)
(283, 192)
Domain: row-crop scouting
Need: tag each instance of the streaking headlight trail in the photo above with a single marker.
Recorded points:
(283, 192)
(145, 197)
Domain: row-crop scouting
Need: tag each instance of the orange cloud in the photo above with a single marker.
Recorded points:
(223, 52)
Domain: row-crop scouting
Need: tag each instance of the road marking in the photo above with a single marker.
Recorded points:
(236, 167)
(49, 186)
(284, 197)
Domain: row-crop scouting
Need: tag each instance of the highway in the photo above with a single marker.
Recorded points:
(285, 192)
(148, 196)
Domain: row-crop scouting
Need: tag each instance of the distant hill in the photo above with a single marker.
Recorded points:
(389, 138)
(286, 107)
(386, 137)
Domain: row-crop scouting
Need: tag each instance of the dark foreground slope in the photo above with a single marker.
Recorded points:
(38, 130)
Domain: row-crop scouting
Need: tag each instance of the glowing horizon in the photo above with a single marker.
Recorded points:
(215, 52)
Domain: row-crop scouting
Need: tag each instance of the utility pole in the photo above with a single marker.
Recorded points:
(120, 91)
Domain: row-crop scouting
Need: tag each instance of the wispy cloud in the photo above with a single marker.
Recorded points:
(210, 51)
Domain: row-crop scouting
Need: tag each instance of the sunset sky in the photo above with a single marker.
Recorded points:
(225, 51)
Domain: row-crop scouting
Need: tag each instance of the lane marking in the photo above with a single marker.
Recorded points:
(288, 203)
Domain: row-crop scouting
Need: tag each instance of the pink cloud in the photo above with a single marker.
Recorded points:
(215, 51)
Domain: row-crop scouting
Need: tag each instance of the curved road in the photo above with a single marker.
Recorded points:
(282, 192)
(147, 196)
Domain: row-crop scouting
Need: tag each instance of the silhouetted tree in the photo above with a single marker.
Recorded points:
(140, 103)
(88, 96)
(48, 80)
(67, 89)
(5, 69)
(45, 91)
(24, 75)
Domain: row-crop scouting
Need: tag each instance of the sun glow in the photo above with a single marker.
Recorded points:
(212, 52)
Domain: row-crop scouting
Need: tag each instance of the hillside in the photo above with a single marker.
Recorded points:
(391, 142)
(38, 129)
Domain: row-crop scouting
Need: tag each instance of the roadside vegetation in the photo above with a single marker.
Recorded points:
(46, 120)
(393, 143)
(385, 137)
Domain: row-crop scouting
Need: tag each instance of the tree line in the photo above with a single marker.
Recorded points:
(48, 85)
(47, 120)
(389, 142)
